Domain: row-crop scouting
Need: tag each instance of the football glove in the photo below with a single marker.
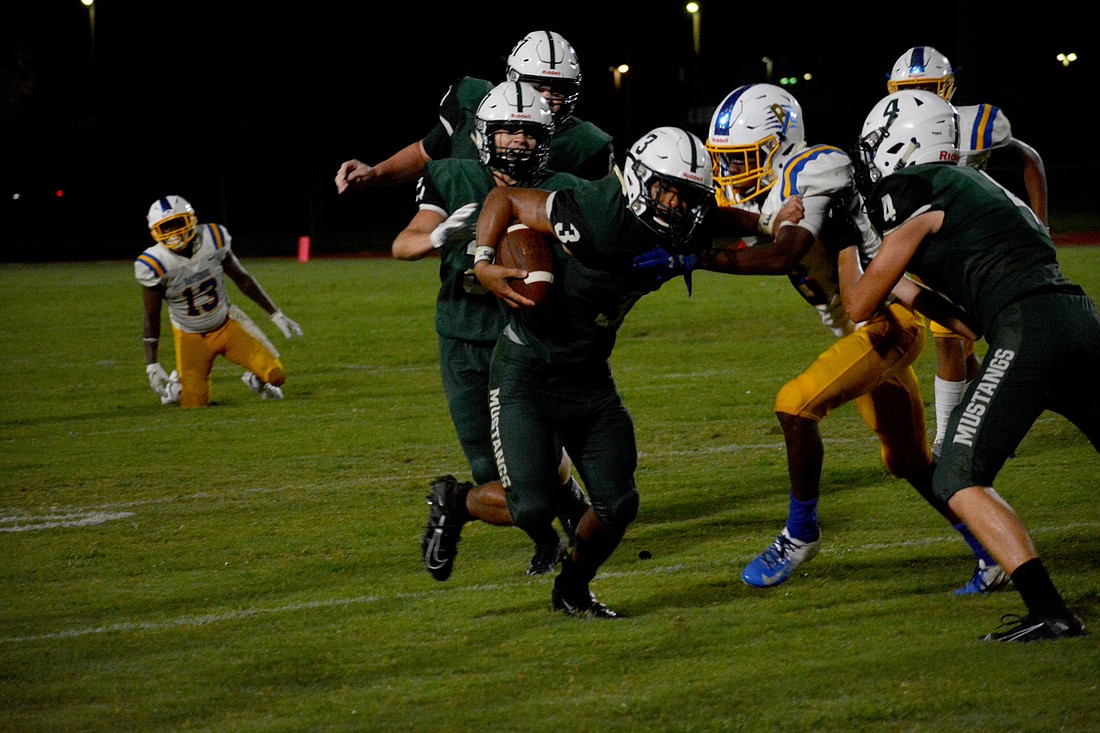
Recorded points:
(665, 265)
(454, 228)
(171, 394)
(158, 378)
(288, 327)
(838, 231)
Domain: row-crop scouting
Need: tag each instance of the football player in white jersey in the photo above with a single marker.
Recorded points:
(187, 268)
(982, 128)
(760, 159)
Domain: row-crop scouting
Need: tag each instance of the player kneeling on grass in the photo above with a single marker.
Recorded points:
(187, 268)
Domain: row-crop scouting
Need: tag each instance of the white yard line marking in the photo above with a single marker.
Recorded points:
(52, 521)
(236, 615)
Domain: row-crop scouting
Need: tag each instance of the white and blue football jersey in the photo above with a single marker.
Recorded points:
(195, 290)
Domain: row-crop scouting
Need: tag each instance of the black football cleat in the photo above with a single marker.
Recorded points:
(1036, 628)
(579, 604)
(440, 543)
(546, 557)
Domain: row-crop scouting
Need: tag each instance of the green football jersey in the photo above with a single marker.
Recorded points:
(464, 309)
(577, 147)
(595, 283)
(453, 134)
(990, 250)
(581, 148)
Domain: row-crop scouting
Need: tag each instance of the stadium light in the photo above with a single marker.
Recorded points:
(1067, 58)
(617, 72)
(693, 9)
(90, 4)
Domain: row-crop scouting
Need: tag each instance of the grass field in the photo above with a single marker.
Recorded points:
(255, 566)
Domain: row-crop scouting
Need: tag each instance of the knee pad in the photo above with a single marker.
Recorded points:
(797, 398)
(620, 512)
(483, 469)
(531, 517)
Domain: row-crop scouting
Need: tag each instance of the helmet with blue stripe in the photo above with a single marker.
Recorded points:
(172, 222)
(752, 133)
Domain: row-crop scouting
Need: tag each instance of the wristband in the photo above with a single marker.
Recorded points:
(484, 254)
(764, 224)
(150, 339)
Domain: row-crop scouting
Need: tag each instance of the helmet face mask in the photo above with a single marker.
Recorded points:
(545, 60)
(172, 222)
(668, 183)
(743, 172)
(752, 133)
(923, 68)
(509, 109)
(908, 127)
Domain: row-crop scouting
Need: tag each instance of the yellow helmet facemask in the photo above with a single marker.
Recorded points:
(742, 172)
(176, 231)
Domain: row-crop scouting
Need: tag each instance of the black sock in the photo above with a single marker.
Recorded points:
(571, 576)
(459, 510)
(1037, 590)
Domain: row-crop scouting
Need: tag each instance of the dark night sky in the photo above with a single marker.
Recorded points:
(248, 109)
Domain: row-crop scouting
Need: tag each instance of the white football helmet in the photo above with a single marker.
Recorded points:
(752, 133)
(545, 59)
(923, 67)
(172, 222)
(512, 106)
(668, 157)
(905, 128)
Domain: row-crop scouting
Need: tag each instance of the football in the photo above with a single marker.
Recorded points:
(526, 249)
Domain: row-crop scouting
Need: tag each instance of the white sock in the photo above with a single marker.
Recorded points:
(948, 395)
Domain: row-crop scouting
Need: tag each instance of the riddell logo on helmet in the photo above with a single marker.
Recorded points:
(949, 157)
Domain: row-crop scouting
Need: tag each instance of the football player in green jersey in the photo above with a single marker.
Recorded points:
(973, 241)
(513, 130)
(551, 376)
(543, 59)
(983, 128)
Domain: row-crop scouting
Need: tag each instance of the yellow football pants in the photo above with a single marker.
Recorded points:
(871, 367)
(195, 354)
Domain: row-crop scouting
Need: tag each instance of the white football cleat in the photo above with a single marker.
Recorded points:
(263, 389)
(775, 564)
(271, 392)
(987, 577)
